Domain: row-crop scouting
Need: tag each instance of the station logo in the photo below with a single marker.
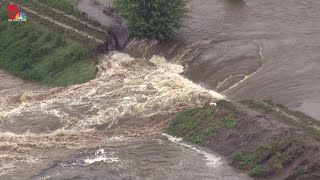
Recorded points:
(14, 14)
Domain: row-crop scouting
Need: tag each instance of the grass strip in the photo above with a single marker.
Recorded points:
(39, 51)
(203, 123)
(63, 19)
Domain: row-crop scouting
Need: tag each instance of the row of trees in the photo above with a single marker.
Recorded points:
(159, 19)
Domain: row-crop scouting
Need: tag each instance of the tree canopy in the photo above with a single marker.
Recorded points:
(159, 19)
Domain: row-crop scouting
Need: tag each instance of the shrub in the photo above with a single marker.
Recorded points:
(159, 19)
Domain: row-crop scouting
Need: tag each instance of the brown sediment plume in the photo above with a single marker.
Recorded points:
(129, 98)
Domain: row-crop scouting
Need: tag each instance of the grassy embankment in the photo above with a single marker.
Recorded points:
(41, 51)
(262, 152)
(267, 159)
(202, 123)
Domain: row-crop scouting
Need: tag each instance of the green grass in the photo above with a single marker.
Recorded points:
(67, 7)
(39, 51)
(203, 123)
(63, 5)
(268, 159)
(39, 8)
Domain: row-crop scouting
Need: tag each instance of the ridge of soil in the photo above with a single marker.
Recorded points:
(268, 141)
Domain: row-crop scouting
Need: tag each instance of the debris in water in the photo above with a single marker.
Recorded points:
(100, 156)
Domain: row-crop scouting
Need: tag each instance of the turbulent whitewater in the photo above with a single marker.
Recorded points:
(128, 98)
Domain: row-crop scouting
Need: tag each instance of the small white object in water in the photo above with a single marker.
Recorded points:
(100, 156)
(101, 159)
(213, 104)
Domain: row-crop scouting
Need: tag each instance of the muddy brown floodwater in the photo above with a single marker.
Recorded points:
(111, 125)
(107, 128)
(272, 47)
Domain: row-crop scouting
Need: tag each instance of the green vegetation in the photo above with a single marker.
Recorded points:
(200, 124)
(63, 5)
(40, 51)
(86, 26)
(159, 19)
(295, 118)
(271, 157)
(67, 7)
(268, 159)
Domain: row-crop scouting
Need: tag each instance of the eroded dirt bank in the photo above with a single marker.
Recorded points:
(103, 15)
(266, 140)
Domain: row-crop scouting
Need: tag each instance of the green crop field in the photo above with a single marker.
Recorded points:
(40, 51)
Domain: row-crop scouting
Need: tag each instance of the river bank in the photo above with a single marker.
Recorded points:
(113, 123)
(47, 51)
(129, 146)
(264, 139)
(249, 50)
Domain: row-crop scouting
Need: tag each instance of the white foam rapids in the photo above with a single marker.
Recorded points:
(101, 156)
(128, 97)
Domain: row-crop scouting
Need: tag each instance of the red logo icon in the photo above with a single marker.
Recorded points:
(13, 11)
